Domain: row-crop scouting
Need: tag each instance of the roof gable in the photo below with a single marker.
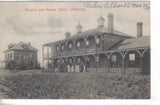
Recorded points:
(22, 46)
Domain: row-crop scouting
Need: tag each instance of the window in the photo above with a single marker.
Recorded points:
(62, 60)
(132, 57)
(78, 44)
(97, 40)
(62, 47)
(87, 42)
(97, 59)
(113, 58)
(57, 48)
(31, 55)
(70, 45)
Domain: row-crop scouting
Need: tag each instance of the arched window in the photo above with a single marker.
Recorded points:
(70, 45)
(87, 42)
(97, 40)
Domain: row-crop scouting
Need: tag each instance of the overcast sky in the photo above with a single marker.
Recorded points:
(39, 28)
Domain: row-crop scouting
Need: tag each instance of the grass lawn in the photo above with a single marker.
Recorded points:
(101, 85)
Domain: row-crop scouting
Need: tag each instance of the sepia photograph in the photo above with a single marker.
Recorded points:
(75, 50)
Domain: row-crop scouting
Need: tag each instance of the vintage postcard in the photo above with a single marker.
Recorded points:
(75, 50)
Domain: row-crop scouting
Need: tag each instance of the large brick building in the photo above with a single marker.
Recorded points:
(20, 56)
(99, 49)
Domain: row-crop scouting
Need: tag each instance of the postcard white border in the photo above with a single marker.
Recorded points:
(155, 71)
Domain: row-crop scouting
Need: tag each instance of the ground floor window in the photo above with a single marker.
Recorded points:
(132, 57)
(113, 58)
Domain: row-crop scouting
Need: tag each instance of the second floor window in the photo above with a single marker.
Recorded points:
(62, 47)
(57, 48)
(78, 44)
(97, 40)
(87, 42)
(70, 45)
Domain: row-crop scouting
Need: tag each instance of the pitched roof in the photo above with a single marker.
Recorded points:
(100, 18)
(79, 26)
(20, 46)
(130, 43)
(98, 31)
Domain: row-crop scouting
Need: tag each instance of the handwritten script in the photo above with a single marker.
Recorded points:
(116, 4)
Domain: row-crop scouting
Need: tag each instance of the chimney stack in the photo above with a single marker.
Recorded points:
(100, 21)
(110, 23)
(79, 28)
(139, 29)
(67, 34)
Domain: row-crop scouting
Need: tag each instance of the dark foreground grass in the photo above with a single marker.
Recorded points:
(77, 86)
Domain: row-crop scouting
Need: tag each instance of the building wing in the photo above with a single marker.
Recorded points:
(132, 43)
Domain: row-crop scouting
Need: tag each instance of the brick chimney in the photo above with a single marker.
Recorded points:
(139, 29)
(67, 34)
(79, 28)
(100, 21)
(110, 23)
